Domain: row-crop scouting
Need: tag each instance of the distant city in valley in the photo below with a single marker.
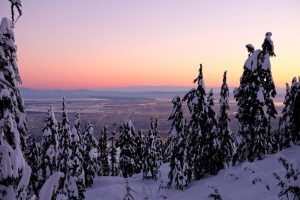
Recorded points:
(103, 107)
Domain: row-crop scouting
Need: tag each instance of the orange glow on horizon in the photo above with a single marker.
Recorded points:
(102, 44)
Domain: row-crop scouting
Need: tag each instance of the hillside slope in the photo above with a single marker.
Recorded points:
(234, 183)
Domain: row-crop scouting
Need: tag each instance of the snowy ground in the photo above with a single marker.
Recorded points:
(234, 183)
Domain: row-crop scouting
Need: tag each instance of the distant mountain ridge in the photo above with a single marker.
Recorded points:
(152, 92)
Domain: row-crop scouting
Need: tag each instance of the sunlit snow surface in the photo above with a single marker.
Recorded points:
(234, 183)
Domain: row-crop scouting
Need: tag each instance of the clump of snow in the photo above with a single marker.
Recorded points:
(260, 95)
(50, 186)
(252, 61)
(93, 153)
(266, 65)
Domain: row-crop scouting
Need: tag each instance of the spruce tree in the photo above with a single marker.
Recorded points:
(33, 157)
(286, 124)
(76, 168)
(151, 161)
(179, 175)
(202, 141)
(90, 155)
(140, 147)
(114, 170)
(227, 143)
(64, 142)
(103, 154)
(255, 104)
(288, 121)
(15, 172)
(76, 135)
(65, 160)
(127, 146)
(49, 147)
(159, 143)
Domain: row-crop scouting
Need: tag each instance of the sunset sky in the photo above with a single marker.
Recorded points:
(77, 44)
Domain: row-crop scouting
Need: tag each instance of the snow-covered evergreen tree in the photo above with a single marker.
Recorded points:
(180, 172)
(64, 142)
(49, 147)
(127, 146)
(114, 169)
(151, 162)
(288, 122)
(290, 183)
(159, 143)
(213, 147)
(227, 143)
(255, 104)
(176, 117)
(65, 160)
(76, 169)
(76, 135)
(103, 154)
(15, 172)
(166, 153)
(140, 147)
(202, 141)
(90, 155)
(33, 157)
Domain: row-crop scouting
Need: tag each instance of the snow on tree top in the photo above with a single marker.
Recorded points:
(16, 1)
(294, 81)
(251, 62)
(6, 26)
(129, 124)
(250, 48)
(52, 115)
(268, 34)
(176, 99)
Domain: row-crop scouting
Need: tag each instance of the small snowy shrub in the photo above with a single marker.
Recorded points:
(129, 191)
(215, 194)
(290, 183)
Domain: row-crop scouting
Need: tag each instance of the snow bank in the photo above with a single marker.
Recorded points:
(50, 186)
(244, 182)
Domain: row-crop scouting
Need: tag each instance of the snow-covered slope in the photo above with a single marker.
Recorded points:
(234, 183)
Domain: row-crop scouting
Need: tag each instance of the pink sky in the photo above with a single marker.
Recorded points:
(97, 44)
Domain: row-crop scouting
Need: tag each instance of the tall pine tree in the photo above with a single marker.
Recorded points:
(76, 168)
(227, 143)
(151, 162)
(103, 154)
(255, 104)
(288, 122)
(114, 169)
(180, 172)
(15, 172)
(140, 147)
(33, 157)
(127, 146)
(90, 154)
(65, 159)
(49, 147)
(202, 141)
